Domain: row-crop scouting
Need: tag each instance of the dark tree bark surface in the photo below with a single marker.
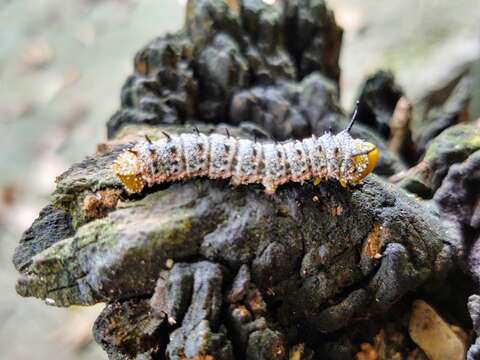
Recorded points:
(202, 270)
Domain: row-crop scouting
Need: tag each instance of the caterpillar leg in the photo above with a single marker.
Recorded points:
(270, 190)
(317, 180)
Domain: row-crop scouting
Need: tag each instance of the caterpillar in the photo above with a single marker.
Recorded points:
(216, 156)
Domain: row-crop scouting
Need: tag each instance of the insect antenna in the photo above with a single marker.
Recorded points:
(228, 132)
(354, 116)
(148, 139)
(196, 130)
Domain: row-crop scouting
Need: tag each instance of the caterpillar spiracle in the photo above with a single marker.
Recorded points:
(217, 156)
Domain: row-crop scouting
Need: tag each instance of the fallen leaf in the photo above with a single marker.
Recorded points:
(433, 334)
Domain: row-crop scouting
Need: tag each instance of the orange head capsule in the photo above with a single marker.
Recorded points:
(372, 161)
(364, 163)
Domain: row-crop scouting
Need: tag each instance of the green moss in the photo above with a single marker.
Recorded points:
(459, 138)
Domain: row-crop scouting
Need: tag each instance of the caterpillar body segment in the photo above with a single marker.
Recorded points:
(177, 158)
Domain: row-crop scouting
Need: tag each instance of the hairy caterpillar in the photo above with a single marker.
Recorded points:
(216, 156)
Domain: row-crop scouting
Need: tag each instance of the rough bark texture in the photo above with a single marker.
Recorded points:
(201, 270)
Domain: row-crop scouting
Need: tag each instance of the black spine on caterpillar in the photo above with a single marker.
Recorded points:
(216, 156)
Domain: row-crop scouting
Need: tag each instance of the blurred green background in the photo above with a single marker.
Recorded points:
(62, 64)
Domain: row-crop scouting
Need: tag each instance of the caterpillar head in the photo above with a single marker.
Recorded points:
(128, 168)
(363, 158)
